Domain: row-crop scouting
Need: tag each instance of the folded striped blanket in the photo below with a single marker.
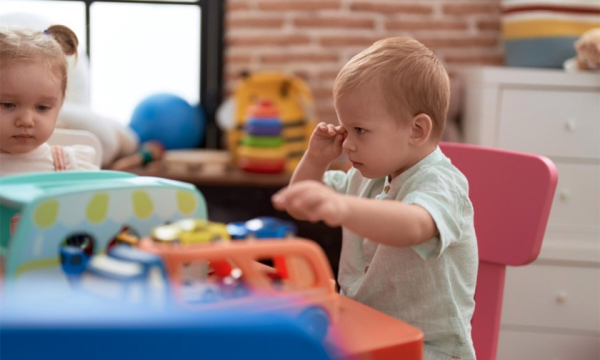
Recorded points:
(541, 33)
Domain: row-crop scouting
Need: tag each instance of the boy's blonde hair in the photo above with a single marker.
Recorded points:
(409, 76)
(50, 47)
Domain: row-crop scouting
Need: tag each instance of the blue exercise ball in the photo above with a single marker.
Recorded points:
(169, 119)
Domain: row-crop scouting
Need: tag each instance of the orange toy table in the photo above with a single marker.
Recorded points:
(367, 334)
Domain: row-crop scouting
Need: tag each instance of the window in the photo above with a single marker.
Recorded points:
(140, 48)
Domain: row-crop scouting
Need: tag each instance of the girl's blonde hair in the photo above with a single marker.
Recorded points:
(50, 47)
(409, 76)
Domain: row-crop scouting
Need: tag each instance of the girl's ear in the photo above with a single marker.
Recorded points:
(420, 129)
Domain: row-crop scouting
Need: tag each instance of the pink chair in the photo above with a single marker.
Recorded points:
(512, 194)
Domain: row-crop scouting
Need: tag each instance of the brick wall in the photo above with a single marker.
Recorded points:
(314, 38)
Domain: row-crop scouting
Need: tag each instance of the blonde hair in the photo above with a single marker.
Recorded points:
(50, 47)
(409, 76)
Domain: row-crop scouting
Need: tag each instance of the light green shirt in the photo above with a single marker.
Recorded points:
(430, 285)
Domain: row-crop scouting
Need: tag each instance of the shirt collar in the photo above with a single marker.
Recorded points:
(435, 156)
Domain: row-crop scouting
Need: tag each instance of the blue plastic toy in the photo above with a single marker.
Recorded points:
(170, 120)
(262, 227)
(127, 275)
(51, 326)
(73, 261)
(263, 127)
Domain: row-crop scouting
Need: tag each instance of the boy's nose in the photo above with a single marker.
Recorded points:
(348, 145)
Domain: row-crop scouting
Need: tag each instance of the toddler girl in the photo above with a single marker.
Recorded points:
(33, 80)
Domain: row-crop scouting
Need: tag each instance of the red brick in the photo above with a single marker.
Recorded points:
(236, 6)
(271, 40)
(468, 32)
(328, 75)
(426, 25)
(334, 22)
(492, 59)
(298, 5)
(364, 41)
(231, 78)
(482, 7)
(389, 8)
(255, 22)
(485, 25)
(462, 42)
(302, 75)
(304, 57)
(326, 106)
(323, 93)
(238, 59)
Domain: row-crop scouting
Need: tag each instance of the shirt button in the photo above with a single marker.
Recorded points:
(386, 188)
(366, 268)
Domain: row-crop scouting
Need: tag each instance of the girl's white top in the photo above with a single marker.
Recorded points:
(77, 157)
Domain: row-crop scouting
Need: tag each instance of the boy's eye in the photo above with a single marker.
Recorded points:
(359, 131)
(7, 105)
(43, 107)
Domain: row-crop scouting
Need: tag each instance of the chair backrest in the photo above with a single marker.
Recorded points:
(512, 194)
(72, 137)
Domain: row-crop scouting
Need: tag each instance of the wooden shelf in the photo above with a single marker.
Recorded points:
(209, 168)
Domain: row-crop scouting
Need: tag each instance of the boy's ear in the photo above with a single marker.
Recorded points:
(420, 129)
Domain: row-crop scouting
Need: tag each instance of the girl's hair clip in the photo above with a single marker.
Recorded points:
(47, 32)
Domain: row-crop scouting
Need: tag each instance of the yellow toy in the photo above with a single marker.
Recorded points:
(294, 100)
(191, 231)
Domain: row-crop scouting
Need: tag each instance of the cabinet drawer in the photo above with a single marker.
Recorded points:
(553, 123)
(557, 297)
(575, 206)
(521, 345)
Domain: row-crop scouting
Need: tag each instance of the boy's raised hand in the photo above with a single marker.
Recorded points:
(325, 143)
(312, 201)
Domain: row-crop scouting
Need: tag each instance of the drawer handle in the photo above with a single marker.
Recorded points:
(570, 125)
(561, 298)
(565, 195)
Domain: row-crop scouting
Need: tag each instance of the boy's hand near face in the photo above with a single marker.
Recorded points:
(311, 201)
(325, 143)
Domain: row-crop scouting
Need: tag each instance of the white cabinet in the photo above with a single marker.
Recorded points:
(551, 307)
